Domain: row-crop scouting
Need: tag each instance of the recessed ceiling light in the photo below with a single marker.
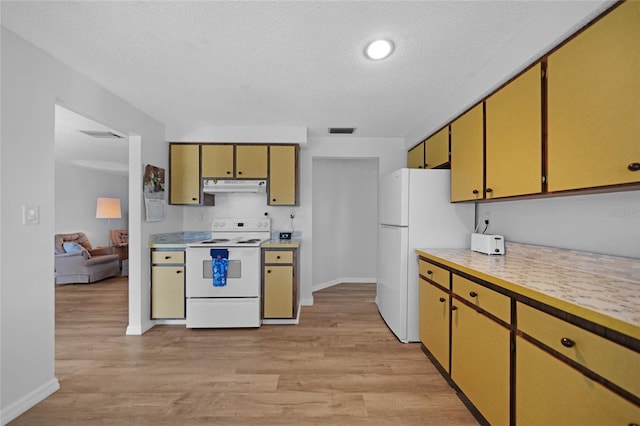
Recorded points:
(379, 49)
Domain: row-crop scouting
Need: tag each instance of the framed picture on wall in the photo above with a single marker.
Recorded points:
(153, 192)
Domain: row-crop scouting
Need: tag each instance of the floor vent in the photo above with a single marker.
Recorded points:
(341, 130)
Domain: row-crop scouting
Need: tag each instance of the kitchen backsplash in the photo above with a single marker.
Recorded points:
(244, 205)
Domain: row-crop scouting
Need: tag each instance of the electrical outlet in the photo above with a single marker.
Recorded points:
(292, 214)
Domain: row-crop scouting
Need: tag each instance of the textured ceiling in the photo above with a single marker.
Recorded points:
(202, 64)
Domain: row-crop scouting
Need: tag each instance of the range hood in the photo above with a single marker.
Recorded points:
(213, 186)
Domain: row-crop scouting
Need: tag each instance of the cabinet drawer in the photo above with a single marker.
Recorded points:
(434, 273)
(495, 303)
(278, 257)
(167, 257)
(614, 362)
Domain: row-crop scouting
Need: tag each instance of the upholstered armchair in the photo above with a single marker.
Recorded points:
(76, 261)
(120, 242)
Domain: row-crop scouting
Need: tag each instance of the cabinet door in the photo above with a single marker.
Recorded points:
(437, 149)
(184, 166)
(415, 157)
(278, 291)
(594, 104)
(434, 321)
(251, 161)
(467, 156)
(480, 359)
(514, 137)
(167, 292)
(549, 392)
(282, 175)
(217, 161)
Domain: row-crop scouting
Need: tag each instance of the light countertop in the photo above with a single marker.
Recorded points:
(177, 239)
(276, 243)
(602, 289)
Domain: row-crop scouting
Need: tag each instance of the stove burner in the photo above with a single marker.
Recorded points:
(251, 241)
(217, 240)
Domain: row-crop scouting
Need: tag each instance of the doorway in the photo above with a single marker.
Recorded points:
(345, 220)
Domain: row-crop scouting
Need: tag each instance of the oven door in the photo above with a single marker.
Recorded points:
(243, 274)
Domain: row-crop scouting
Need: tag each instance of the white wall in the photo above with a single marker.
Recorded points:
(76, 193)
(345, 213)
(32, 82)
(599, 223)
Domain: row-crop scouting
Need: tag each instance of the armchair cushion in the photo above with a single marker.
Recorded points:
(72, 247)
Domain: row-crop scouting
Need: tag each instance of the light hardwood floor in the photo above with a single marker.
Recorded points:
(339, 366)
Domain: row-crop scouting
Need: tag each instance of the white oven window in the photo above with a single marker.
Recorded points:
(234, 270)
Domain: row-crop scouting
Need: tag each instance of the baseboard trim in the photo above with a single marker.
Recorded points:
(331, 283)
(32, 398)
(291, 321)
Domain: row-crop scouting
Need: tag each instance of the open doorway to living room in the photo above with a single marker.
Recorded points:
(91, 200)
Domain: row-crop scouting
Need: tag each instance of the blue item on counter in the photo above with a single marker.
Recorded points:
(219, 266)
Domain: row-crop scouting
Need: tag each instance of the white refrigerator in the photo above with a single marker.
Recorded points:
(414, 212)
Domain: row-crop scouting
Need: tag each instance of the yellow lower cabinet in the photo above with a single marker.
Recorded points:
(167, 292)
(549, 392)
(480, 359)
(434, 321)
(278, 292)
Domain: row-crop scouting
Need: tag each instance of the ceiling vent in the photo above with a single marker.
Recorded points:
(101, 134)
(341, 130)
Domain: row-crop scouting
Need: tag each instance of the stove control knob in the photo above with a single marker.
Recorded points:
(259, 224)
(216, 224)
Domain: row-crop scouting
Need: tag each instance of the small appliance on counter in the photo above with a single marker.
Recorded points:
(487, 244)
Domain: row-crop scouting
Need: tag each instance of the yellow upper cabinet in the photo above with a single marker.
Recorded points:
(415, 157)
(514, 137)
(467, 157)
(184, 163)
(437, 149)
(217, 161)
(251, 161)
(283, 163)
(594, 104)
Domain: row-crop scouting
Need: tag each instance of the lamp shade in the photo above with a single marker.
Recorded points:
(108, 208)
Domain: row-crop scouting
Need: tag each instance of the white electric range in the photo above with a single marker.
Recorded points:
(236, 303)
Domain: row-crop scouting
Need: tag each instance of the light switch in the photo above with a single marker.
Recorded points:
(30, 215)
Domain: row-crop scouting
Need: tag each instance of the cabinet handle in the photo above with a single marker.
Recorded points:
(178, 272)
(429, 272)
(488, 190)
(277, 257)
(441, 299)
(634, 167)
(273, 200)
(167, 257)
(268, 271)
(239, 173)
(228, 172)
(194, 199)
(473, 294)
(453, 308)
(475, 191)
(567, 343)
